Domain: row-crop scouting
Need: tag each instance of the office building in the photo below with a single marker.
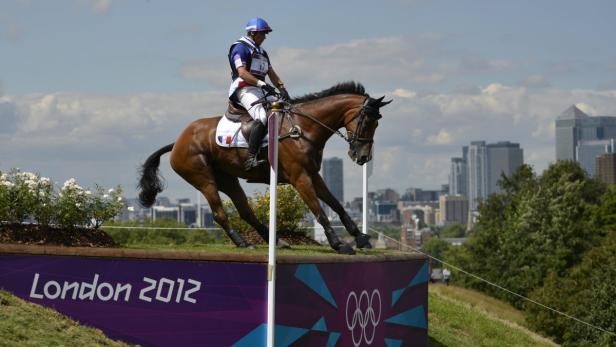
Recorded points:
(477, 173)
(582, 138)
(458, 177)
(606, 168)
(453, 209)
(331, 170)
(503, 158)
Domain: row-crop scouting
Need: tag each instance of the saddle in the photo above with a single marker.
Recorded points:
(236, 113)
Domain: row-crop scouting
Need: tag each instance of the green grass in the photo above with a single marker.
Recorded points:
(259, 249)
(26, 324)
(461, 317)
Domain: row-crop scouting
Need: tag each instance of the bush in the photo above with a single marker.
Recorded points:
(26, 196)
(290, 210)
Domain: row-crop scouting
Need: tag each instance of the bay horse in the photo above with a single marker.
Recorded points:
(312, 119)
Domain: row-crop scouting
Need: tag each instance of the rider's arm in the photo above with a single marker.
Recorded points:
(274, 78)
(248, 77)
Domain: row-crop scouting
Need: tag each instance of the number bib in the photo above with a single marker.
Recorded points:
(259, 65)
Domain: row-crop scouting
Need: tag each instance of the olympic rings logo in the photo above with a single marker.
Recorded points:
(363, 315)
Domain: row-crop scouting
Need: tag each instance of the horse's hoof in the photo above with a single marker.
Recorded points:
(283, 244)
(246, 245)
(363, 241)
(345, 249)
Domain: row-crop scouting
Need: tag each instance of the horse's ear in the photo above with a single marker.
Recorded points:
(383, 103)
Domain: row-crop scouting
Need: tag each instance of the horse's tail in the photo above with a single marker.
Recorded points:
(150, 183)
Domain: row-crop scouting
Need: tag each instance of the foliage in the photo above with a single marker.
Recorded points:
(25, 196)
(453, 230)
(586, 292)
(539, 225)
(290, 209)
(171, 232)
(436, 247)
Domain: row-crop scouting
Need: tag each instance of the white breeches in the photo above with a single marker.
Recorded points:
(249, 94)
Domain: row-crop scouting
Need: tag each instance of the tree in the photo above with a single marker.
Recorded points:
(436, 247)
(586, 292)
(453, 230)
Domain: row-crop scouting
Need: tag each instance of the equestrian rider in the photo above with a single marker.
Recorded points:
(249, 66)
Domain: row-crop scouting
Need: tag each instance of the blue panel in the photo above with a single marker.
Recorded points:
(309, 274)
(415, 317)
(257, 337)
(333, 338)
(393, 343)
(421, 276)
(286, 335)
(320, 325)
(396, 295)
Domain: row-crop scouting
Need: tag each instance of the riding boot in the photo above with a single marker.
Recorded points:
(254, 144)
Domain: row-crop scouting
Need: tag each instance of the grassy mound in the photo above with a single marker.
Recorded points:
(26, 324)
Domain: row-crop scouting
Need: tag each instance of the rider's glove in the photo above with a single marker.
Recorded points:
(269, 89)
(283, 93)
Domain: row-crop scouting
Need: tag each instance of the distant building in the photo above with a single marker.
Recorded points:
(606, 168)
(503, 158)
(453, 209)
(458, 177)
(386, 194)
(160, 212)
(332, 172)
(387, 212)
(418, 194)
(477, 173)
(582, 138)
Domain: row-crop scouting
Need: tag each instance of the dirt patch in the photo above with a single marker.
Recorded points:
(291, 237)
(34, 234)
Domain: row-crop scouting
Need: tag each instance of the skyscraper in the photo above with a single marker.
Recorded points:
(606, 168)
(503, 158)
(582, 138)
(477, 173)
(458, 177)
(331, 170)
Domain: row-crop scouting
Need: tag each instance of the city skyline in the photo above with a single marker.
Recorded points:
(90, 88)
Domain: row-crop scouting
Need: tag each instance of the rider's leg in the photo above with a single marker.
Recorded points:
(246, 96)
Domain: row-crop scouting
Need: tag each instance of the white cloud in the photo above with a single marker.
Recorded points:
(101, 6)
(85, 135)
(442, 138)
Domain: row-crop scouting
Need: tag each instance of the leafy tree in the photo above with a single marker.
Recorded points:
(539, 225)
(586, 292)
(436, 247)
(453, 230)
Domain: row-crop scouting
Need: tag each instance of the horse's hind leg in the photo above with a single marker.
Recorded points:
(304, 185)
(201, 176)
(361, 240)
(231, 186)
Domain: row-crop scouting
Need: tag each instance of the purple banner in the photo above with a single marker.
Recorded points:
(201, 303)
(149, 302)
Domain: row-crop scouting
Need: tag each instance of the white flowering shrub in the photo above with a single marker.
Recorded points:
(24, 196)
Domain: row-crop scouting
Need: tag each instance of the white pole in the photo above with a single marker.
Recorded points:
(272, 125)
(364, 222)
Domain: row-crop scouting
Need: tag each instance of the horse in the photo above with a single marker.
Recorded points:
(309, 121)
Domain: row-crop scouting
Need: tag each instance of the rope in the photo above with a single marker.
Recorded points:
(496, 285)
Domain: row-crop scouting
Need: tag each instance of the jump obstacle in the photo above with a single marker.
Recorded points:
(173, 298)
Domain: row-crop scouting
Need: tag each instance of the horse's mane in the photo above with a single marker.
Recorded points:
(350, 87)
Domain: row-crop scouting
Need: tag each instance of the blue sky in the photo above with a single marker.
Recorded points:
(89, 88)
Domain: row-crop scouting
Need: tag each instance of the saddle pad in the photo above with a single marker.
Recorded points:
(228, 135)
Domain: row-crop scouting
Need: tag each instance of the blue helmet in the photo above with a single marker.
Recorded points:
(258, 24)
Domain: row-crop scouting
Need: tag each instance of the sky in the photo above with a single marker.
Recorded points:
(90, 88)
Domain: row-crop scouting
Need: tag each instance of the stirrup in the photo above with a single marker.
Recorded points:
(252, 162)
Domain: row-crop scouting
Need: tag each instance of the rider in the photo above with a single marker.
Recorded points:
(249, 66)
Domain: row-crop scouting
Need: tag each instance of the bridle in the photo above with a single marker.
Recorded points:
(352, 137)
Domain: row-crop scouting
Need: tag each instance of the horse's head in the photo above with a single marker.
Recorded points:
(361, 127)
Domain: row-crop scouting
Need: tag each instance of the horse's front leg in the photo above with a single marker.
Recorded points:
(361, 240)
(231, 186)
(304, 185)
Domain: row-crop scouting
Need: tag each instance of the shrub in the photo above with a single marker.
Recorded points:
(290, 210)
(26, 196)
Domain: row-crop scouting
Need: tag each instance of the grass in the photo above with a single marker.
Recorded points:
(26, 324)
(259, 249)
(461, 317)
